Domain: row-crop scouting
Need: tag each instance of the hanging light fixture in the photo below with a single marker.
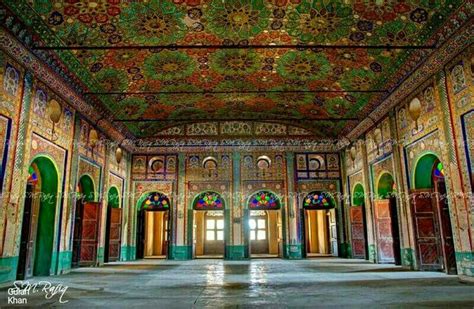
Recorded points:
(414, 109)
(93, 138)
(118, 154)
(54, 113)
(353, 152)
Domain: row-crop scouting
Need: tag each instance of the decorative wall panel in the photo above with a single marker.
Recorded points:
(154, 167)
(468, 132)
(317, 165)
(5, 125)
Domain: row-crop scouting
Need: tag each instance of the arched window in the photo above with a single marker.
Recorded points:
(156, 201)
(209, 163)
(32, 176)
(208, 201)
(264, 200)
(263, 162)
(318, 200)
(438, 170)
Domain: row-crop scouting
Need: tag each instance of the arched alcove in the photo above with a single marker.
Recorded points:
(39, 218)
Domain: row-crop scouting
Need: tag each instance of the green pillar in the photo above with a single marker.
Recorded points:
(403, 203)
(181, 248)
(292, 248)
(237, 247)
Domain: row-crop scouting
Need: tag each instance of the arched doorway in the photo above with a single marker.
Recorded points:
(113, 227)
(358, 223)
(37, 232)
(86, 224)
(265, 232)
(317, 226)
(208, 225)
(430, 207)
(153, 224)
(386, 221)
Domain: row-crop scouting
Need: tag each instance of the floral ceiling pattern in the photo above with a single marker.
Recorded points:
(192, 69)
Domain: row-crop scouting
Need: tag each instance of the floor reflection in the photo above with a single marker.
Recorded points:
(215, 274)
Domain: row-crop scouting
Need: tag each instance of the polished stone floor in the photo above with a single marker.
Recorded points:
(266, 283)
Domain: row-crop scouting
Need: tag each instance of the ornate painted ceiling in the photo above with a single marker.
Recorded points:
(154, 64)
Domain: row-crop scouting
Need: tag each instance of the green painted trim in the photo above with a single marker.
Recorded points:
(372, 253)
(100, 255)
(64, 262)
(293, 251)
(8, 266)
(54, 264)
(179, 211)
(385, 185)
(127, 253)
(345, 250)
(87, 187)
(358, 195)
(181, 252)
(45, 255)
(423, 171)
(465, 263)
(113, 197)
(407, 257)
(236, 252)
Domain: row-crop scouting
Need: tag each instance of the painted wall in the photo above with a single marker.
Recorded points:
(444, 131)
(24, 106)
(236, 176)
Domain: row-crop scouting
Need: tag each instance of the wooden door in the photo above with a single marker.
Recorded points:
(214, 235)
(76, 242)
(426, 230)
(447, 241)
(333, 231)
(383, 231)
(259, 235)
(166, 233)
(115, 230)
(25, 258)
(35, 211)
(140, 241)
(357, 231)
(89, 234)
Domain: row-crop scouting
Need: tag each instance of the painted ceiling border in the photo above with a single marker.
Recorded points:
(458, 41)
(20, 53)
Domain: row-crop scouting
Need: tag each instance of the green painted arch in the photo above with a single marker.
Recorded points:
(144, 196)
(87, 186)
(358, 195)
(423, 171)
(195, 198)
(49, 182)
(113, 197)
(385, 185)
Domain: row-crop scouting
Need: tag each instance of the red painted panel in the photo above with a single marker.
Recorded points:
(357, 232)
(90, 234)
(114, 233)
(428, 243)
(383, 230)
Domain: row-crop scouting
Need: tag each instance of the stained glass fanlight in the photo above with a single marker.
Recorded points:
(32, 177)
(318, 200)
(156, 201)
(439, 170)
(209, 201)
(264, 200)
